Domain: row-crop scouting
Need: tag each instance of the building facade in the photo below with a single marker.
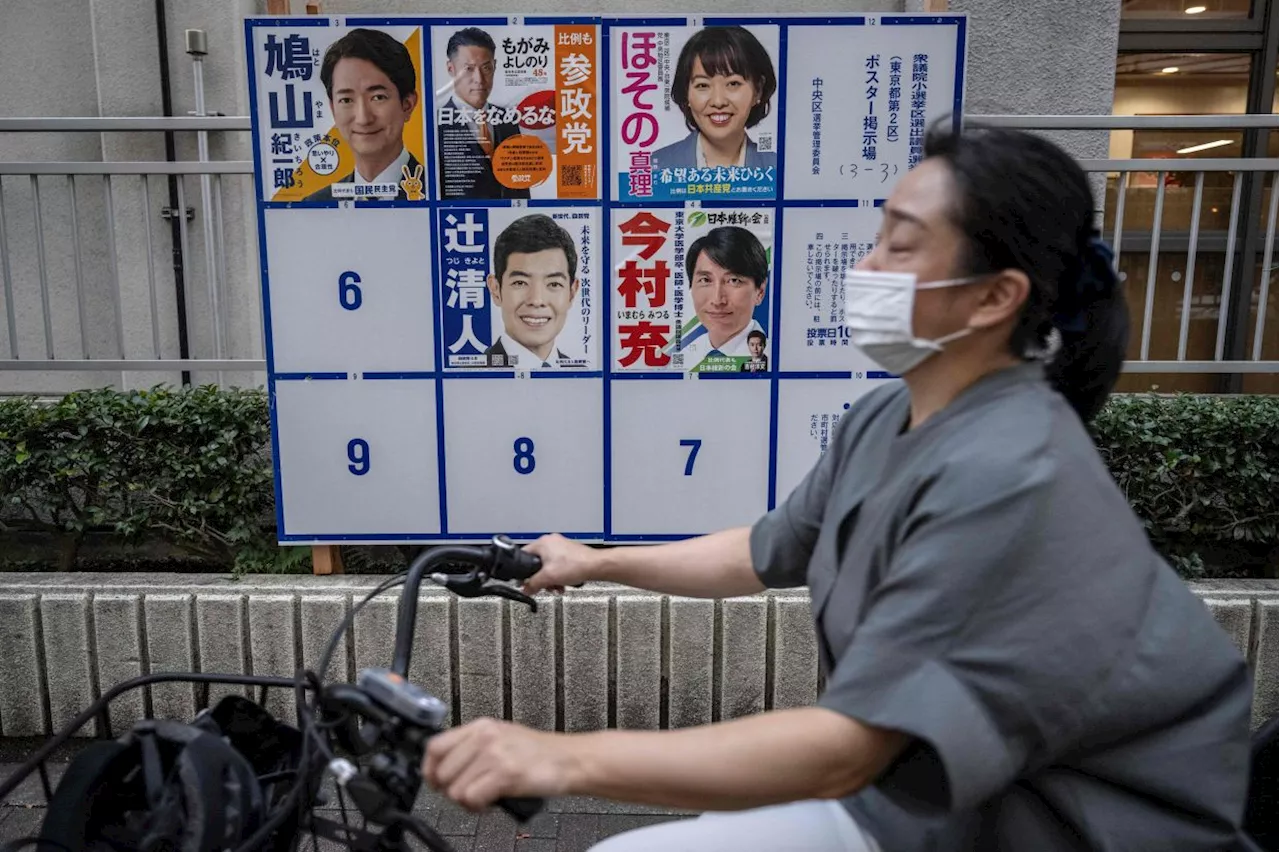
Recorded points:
(99, 267)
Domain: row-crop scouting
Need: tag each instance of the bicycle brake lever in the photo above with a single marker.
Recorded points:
(501, 590)
(477, 585)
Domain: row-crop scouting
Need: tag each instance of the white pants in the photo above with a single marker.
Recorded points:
(812, 826)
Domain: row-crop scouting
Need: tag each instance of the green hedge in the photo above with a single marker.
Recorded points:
(188, 466)
(191, 467)
(1202, 474)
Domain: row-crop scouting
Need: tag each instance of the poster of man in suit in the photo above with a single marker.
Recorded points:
(516, 112)
(519, 287)
(340, 113)
(372, 88)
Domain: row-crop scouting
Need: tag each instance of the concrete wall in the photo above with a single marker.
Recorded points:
(1023, 58)
(601, 656)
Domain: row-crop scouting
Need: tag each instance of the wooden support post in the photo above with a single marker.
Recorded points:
(326, 559)
(278, 7)
(935, 6)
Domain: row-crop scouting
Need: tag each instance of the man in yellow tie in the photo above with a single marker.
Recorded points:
(469, 126)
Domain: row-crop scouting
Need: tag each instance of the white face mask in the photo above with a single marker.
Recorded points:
(878, 310)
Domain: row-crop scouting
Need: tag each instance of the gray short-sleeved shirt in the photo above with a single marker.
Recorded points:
(981, 583)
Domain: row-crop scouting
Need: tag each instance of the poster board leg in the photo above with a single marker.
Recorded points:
(326, 559)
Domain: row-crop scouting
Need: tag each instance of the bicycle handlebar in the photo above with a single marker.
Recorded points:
(501, 560)
(413, 717)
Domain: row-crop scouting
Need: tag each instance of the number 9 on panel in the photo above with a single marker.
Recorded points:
(358, 458)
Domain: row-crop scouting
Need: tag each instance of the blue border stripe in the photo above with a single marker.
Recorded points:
(411, 374)
(251, 67)
(300, 21)
(622, 205)
(673, 21)
(815, 374)
(555, 202)
(542, 21)
(566, 374)
(606, 276)
(921, 20)
(654, 537)
(307, 377)
(438, 332)
(480, 373)
(790, 20)
(822, 202)
(302, 538)
(473, 202)
(437, 328)
(335, 205)
(749, 377)
(961, 53)
(752, 204)
(447, 21)
(772, 492)
(648, 377)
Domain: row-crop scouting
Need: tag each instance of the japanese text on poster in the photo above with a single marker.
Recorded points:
(518, 287)
(332, 126)
(517, 111)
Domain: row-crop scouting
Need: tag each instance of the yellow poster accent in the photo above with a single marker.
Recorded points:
(306, 180)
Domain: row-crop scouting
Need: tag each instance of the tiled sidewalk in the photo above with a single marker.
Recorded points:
(567, 825)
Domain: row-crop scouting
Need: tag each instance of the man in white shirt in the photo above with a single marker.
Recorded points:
(533, 283)
(728, 272)
(372, 88)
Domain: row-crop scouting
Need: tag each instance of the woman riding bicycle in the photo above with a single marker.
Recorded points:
(1008, 662)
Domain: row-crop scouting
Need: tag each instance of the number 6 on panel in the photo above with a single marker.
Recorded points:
(349, 295)
(694, 444)
(358, 455)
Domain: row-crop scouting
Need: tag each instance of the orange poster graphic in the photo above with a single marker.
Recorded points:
(577, 111)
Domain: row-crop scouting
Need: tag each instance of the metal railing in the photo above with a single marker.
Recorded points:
(1123, 171)
(219, 351)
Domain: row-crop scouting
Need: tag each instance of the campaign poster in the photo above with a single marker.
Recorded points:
(518, 287)
(517, 111)
(691, 289)
(822, 244)
(695, 112)
(861, 99)
(332, 125)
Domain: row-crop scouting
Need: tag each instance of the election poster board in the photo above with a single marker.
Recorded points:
(577, 274)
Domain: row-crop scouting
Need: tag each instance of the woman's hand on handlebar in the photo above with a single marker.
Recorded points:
(485, 760)
(564, 563)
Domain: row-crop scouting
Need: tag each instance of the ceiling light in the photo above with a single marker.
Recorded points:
(1172, 69)
(1205, 147)
(1195, 10)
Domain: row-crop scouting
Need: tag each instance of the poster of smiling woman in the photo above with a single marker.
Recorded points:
(695, 112)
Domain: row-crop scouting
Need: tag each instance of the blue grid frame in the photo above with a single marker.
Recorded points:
(606, 204)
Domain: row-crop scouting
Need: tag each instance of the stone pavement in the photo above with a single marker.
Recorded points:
(571, 824)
